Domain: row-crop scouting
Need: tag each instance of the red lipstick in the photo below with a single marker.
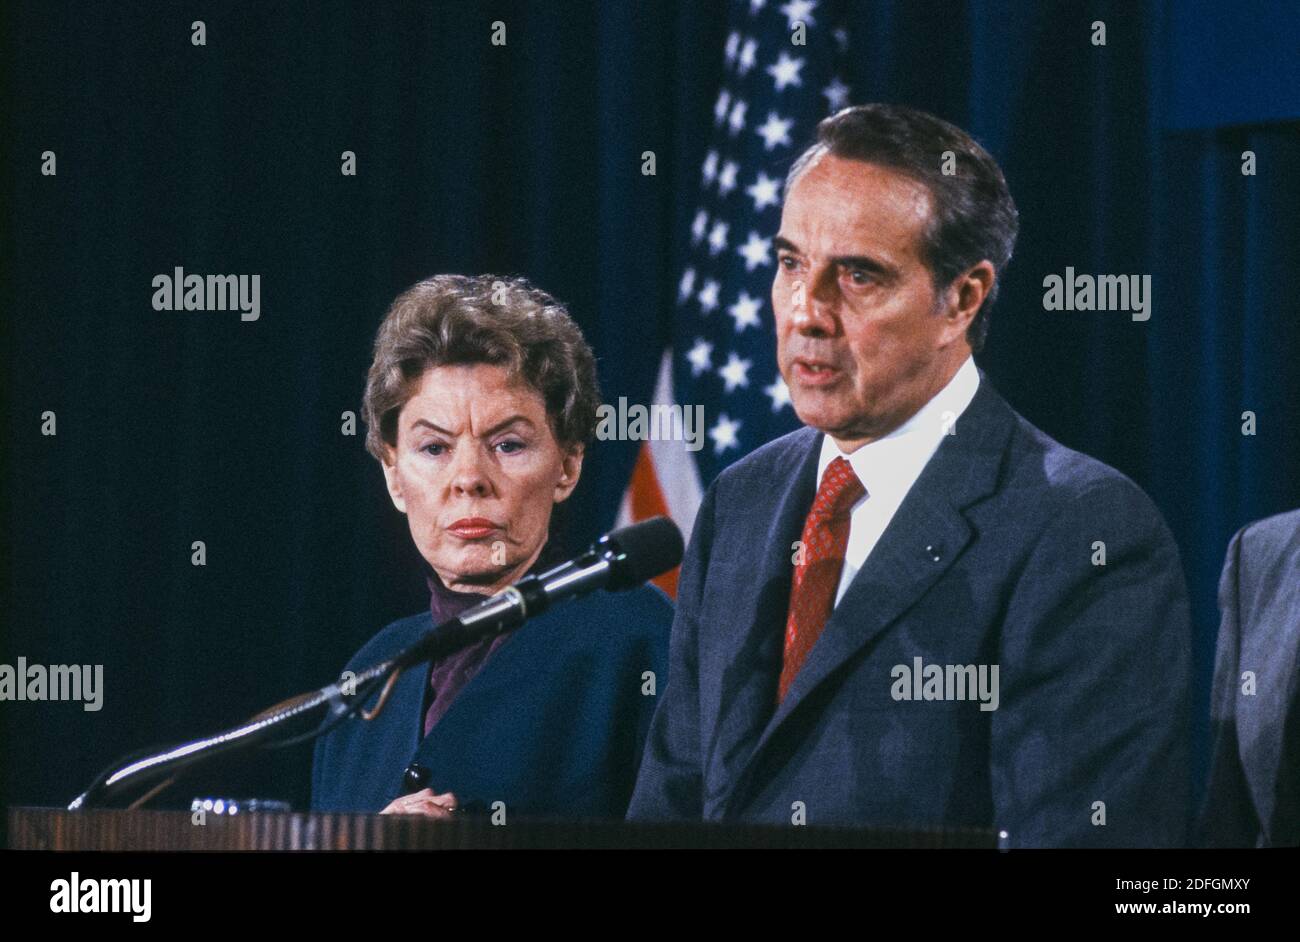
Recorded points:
(473, 528)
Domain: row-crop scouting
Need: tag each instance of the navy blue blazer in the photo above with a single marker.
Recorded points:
(988, 561)
(553, 724)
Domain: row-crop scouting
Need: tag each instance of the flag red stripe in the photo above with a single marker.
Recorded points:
(647, 500)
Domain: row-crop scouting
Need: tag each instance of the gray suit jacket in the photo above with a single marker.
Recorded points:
(988, 561)
(1253, 797)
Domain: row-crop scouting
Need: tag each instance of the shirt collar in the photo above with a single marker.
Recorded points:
(893, 463)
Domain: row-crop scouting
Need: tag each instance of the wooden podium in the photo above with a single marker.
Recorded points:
(103, 830)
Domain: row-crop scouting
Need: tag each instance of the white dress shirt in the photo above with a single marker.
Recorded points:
(888, 467)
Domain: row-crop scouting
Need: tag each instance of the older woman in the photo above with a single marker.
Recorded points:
(479, 405)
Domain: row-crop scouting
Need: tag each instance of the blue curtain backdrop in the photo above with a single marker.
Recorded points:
(183, 426)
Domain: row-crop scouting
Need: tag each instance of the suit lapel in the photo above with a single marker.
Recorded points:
(903, 564)
(740, 656)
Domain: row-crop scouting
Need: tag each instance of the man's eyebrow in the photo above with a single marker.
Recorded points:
(865, 262)
(492, 431)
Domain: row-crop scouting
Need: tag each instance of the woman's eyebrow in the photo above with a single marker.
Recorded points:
(427, 424)
(492, 431)
(508, 422)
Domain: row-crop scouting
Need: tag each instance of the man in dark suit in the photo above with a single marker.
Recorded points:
(1253, 799)
(920, 610)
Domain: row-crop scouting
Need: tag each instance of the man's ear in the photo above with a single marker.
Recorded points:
(965, 295)
(392, 479)
(571, 470)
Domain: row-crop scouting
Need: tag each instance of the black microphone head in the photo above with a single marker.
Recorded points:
(643, 551)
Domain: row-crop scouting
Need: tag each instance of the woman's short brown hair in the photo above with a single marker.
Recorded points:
(448, 320)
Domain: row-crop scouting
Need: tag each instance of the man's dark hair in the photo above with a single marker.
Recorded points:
(973, 216)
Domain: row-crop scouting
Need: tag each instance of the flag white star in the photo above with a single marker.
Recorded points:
(745, 311)
(698, 225)
(724, 434)
(775, 131)
(736, 123)
(756, 251)
(736, 372)
(721, 106)
(727, 178)
(708, 296)
(710, 167)
(700, 356)
(837, 94)
(718, 237)
(779, 393)
(799, 11)
(764, 191)
(748, 56)
(786, 71)
(686, 285)
(841, 35)
(755, 6)
(733, 45)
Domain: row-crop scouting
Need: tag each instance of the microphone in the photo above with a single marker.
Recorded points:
(619, 560)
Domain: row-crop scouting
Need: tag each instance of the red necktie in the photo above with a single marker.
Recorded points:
(816, 579)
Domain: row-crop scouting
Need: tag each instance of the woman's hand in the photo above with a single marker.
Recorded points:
(424, 802)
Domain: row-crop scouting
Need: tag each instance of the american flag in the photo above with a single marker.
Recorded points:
(723, 356)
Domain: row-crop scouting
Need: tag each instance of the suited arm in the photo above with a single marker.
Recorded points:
(1227, 817)
(325, 765)
(1095, 677)
(317, 764)
(669, 782)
